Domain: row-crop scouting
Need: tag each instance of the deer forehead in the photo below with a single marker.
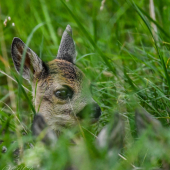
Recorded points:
(66, 70)
(61, 72)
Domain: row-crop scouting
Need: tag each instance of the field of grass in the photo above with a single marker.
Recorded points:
(122, 49)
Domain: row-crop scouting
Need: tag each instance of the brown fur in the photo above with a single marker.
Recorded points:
(60, 113)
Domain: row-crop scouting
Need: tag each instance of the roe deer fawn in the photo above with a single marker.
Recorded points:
(62, 91)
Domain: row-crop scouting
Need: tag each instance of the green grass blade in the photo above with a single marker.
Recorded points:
(155, 42)
(160, 28)
(26, 96)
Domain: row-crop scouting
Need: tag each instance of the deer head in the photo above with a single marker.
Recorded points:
(62, 90)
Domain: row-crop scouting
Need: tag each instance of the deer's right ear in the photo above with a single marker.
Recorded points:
(32, 64)
(67, 49)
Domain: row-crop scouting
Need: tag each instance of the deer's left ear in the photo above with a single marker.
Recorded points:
(67, 50)
(32, 63)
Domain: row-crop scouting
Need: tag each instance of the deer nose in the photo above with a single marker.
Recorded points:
(92, 111)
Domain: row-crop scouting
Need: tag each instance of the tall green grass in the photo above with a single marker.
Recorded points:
(126, 61)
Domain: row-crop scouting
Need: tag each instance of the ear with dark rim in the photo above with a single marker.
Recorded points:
(32, 65)
(67, 50)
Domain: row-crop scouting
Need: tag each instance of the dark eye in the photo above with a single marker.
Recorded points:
(64, 93)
